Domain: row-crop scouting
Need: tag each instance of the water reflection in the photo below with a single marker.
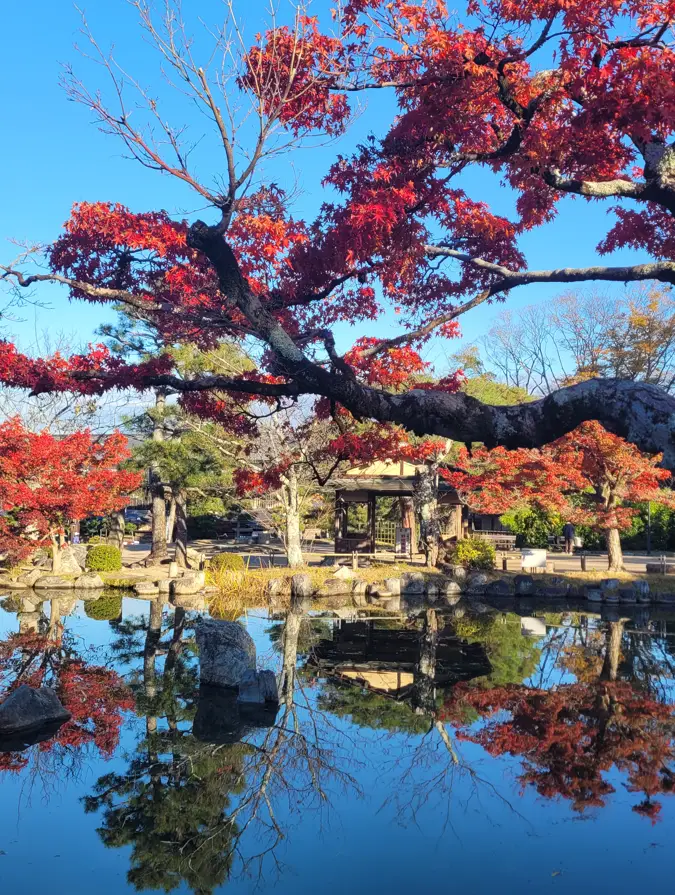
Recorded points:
(427, 704)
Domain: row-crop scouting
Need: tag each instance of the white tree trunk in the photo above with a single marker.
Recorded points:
(291, 503)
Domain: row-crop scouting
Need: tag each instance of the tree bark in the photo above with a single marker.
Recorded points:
(181, 529)
(159, 550)
(56, 554)
(171, 520)
(116, 534)
(614, 551)
(425, 497)
(291, 502)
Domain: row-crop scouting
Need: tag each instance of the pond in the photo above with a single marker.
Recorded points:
(476, 749)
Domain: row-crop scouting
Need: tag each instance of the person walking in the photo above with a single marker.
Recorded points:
(568, 534)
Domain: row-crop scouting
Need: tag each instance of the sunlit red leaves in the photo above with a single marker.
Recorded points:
(609, 471)
(289, 73)
(47, 482)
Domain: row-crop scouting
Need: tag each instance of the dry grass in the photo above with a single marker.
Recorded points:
(247, 590)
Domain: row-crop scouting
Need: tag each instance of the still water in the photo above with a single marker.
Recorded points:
(472, 750)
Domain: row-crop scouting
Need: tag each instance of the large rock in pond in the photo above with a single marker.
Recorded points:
(524, 585)
(301, 586)
(344, 573)
(26, 709)
(476, 583)
(258, 687)
(412, 584)
(226, 652)
(53, 582)
(90, 581)
(146, 589)
(29, 578)
(13, 583)
(190, 583)
(498, 588)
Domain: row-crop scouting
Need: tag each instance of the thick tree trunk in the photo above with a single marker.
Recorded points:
(56, 554)
(425, 498)
(614, 551)
(291, 502)
(159, 549)
(116, 533)
(407, 509)
(181, 529)
(171, 520)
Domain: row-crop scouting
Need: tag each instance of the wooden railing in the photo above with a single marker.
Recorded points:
(502, 540)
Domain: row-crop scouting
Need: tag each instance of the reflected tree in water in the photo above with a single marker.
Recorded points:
(47, 655)
(209, 792)
(569, 736)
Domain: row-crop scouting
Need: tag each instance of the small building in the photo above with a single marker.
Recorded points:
(372, 501)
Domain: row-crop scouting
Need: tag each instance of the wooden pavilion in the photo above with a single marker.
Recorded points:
(356, 504)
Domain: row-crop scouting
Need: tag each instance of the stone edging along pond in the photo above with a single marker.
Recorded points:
(450, 588)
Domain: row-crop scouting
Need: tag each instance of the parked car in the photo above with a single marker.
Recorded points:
(136, 515)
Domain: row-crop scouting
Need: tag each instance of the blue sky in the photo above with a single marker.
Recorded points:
(51, 155)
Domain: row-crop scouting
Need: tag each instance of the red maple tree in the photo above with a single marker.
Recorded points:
(590, 476)
(556, 99)
(47, 482)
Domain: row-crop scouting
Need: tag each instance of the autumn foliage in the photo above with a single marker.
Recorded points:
(95, 696)
(48, 482)
(590, 476)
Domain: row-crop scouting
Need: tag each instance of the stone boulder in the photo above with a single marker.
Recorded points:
(226, 652)
(451, 592)
(393, 585)
(335, 587)
(593, 594)
(610, 589)
(90, 581)
(555, 587)
(53, 582)
(258, 687)
(412, 583)
(301, 586)
(69, 564)
(476, 583)
(628, 595)
(27, 709)
(146, 589)
(79, 551)
(498, 588)
(164, 586)
(277, 587)
(459, 573)
(29, 578)
(195, 559)
(523, 585)
(190, 583)
(13, 583)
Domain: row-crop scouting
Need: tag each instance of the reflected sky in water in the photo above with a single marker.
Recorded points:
(439, 749)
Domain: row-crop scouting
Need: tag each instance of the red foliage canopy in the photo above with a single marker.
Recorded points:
(47, 482)
(604, 469)
(553, 98)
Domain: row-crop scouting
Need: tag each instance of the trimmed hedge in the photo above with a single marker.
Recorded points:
(473, 553)
(230, 562)
(104, 558)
